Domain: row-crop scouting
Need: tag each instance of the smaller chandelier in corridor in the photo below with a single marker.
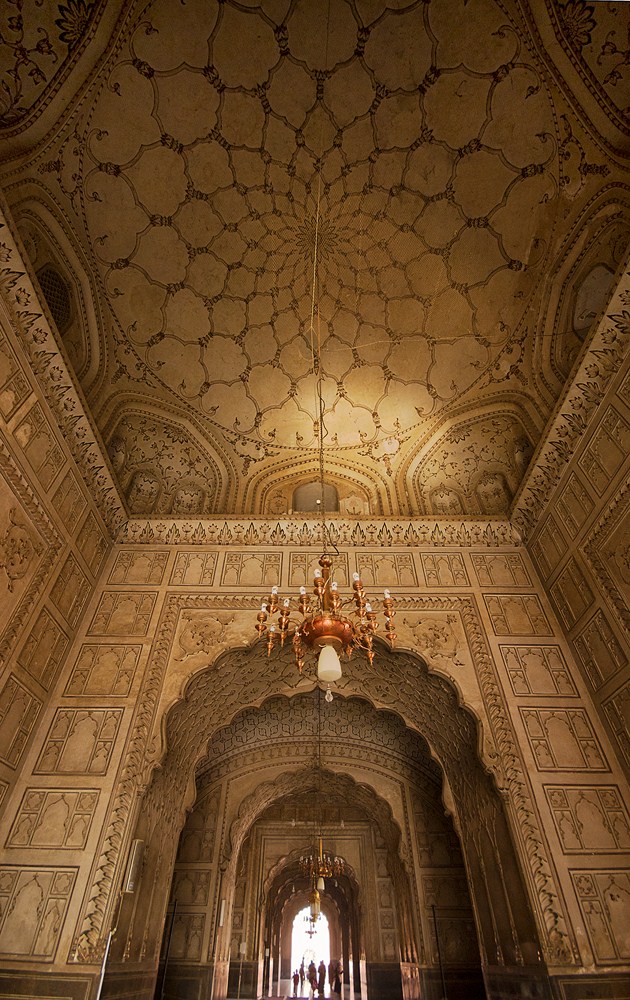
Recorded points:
(323, 625)
(320, 865)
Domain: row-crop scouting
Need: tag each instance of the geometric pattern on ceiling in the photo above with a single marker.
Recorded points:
(424, 137)
(437, 171)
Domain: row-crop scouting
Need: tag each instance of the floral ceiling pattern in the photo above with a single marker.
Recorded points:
(382, 186)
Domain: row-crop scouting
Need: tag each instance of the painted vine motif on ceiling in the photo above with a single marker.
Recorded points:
(36, 43)
(597, 35)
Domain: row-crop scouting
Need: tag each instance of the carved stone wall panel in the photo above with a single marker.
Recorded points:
(511, 614)
(444, 569)
(386, 569)
(574, 505)
(103, 671)
(598, 650)
(505, 570)
(604, 899)
(302, 566)
(194, 569)
(251, 569)
(79, 741)
(143, 567)
(617, 710)
(33, 903)
(571, 593)
(562, 739)
(14, 385)
(69, 501)
(538, 670)
(39, 445)
(92, 543)
(54, 818)
(589, 818)
(608, 552)
(24, 549)
(187, 936)
(548, 548)
(71, 591)
(43, 652)
(190, 886)
(19, 709)
(607, 450)
(127, 613)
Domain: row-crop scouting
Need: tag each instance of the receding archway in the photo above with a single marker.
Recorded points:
(423, 703)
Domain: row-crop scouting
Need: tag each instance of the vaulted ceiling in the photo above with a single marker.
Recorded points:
(461, 166)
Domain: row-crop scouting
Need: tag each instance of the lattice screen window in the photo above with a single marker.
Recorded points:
(57, 295)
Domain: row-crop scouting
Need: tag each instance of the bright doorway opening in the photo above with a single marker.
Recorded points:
(310, 947)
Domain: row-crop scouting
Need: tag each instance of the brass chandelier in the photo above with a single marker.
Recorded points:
(324, 624)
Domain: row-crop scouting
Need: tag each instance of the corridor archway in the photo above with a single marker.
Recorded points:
(197, 742)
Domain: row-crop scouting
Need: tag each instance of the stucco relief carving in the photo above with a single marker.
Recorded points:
(92, 544)
(604, 899)
(59, 818)
(19, 709)
(500, 570)
(69, 501)
(548, 547)
(571, 593)
(242, 532)
(393, 569)
(37, 441)
(14, 385)
(42, 653)
(29, 547)
(589, 818)
(139, 567)
(511, 614)
(194, 569)
(563, 739)
(574, 505)
(103, 671)
(474, 467)
(444, 569)
(71, 591)
(539, 670)
(606, 451)
(32, 910)
(187, 936)
(127, 613)
(608, 551)
(19, 549)
(599, 650)
(54, 378)
(617, 708)
(79, 741)
(440, 639)
(246, 569)
(600, 363)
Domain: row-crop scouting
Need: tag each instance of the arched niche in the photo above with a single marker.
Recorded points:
(427, 704)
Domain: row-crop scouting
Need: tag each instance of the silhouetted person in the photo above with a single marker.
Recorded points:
(321, 978)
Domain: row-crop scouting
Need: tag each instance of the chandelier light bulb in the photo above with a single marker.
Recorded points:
(321, 885)
(329, 695)
(328, 665)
